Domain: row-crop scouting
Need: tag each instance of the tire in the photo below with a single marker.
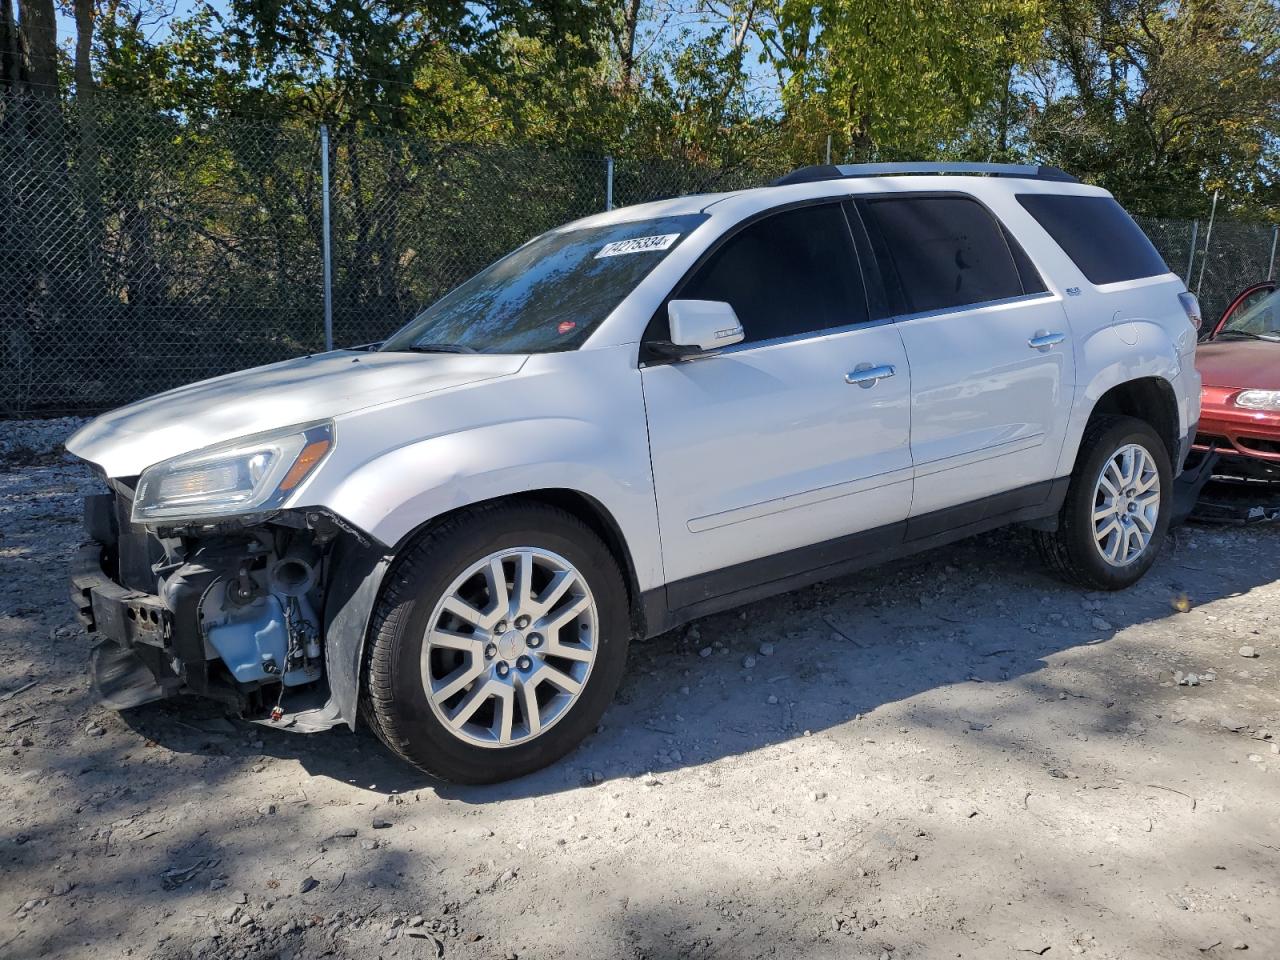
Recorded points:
(424, 729)
(1075, 551)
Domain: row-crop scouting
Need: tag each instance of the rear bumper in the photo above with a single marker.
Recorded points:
(1185, 443)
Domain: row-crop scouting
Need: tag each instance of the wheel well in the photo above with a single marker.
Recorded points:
(587, 509)
(1150, 399)
(593, 513)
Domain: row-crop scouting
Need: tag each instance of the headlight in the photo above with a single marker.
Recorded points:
(1258, 399)
(253, 473)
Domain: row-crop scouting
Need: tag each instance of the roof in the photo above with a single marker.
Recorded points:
(832, 181)
(1023, 171)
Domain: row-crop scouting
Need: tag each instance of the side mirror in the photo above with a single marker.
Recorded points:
(699, 326)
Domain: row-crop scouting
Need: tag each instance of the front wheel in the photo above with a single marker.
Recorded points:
(498, 643)
(1116, 512)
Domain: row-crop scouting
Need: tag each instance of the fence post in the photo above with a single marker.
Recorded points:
(1271, 264)
(1208, 239)
(1195, 235)
(608, 183)
(327, 252)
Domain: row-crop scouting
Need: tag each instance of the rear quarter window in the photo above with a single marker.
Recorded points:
(1099, 237)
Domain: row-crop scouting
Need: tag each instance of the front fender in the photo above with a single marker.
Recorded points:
(568, 421)
(572, 421)
(391, 497)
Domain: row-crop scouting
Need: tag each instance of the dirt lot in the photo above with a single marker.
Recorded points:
(953, 756)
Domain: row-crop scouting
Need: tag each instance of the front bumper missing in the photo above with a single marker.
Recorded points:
(120, 678)
(138, 658)
(151, 646)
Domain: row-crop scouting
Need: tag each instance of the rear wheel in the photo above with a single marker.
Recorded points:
(498, 644)
(1116, 512)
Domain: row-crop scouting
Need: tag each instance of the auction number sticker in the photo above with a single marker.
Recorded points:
(638, 245)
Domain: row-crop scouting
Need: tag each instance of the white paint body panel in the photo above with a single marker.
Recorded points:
(765, 448)
(1124, 331)
(988, 412)
(757, 450)
(126, 441)
(568, 420)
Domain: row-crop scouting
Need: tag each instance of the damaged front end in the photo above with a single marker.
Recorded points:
(265, 613)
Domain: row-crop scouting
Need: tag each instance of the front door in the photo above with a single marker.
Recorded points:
(769, 454)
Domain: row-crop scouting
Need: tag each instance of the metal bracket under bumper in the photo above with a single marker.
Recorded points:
(127, 616)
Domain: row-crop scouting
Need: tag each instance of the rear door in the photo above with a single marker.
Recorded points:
(991, 361)
(768, 448)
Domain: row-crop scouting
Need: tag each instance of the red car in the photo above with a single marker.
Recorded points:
(1239, 363)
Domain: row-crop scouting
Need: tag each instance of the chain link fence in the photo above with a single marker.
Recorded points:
(141, 249)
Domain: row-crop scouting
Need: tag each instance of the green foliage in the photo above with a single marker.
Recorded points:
(1161, 101)
(1167, 102)
(899, 79)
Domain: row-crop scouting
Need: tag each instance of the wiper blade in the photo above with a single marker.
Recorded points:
(438, 348)
(1237, 333)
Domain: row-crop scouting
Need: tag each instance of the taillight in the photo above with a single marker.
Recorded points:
(1192, 306)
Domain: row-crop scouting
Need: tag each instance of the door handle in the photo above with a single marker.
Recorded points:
(1044, 341)
(867, 375)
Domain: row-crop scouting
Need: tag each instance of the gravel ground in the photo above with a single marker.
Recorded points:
(953, 756)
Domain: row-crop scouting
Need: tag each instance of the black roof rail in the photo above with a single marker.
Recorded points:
(842, 171)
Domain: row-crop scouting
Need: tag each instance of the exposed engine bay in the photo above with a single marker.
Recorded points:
(233, 610)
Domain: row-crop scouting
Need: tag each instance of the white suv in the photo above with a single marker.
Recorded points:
(631, 421)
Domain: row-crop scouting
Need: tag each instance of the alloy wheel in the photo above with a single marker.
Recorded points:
(510, 646)
(1126, 505)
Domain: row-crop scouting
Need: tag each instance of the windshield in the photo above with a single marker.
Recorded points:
(547, 295)
(1258, 316)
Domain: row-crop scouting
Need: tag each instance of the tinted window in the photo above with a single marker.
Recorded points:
(549, 294)
(1032, 282)
(948, 251)
(789, 273)
(1097, 235)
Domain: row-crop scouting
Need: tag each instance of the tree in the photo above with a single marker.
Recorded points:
(380, 62)
(894, 79)
(29, 47)
(1166, 102)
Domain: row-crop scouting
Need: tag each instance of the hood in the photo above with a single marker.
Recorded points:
(1244, 364)
(126, 441)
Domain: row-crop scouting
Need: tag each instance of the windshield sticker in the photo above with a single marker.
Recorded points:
(638, 245)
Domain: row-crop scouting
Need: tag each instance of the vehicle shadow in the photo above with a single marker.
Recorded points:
(980, 611)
